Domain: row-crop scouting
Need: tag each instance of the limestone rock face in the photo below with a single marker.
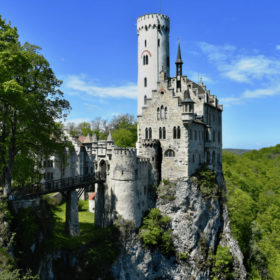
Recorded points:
(198, 225)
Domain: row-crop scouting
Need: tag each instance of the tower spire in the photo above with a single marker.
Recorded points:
(179, 61)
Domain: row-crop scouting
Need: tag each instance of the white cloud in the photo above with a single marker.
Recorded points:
(80, 84)
(262, 92)
(76, 121)
(277, 47)
(238, 66)
(195, 76)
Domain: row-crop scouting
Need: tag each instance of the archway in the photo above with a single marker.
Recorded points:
(102, 168)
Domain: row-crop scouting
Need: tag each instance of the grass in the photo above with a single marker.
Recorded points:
(86, 219)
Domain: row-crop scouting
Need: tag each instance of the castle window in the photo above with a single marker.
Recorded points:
(219, 137)
(190, 134)
(165, 113)
(174, 132)
(163, 133)
(169, 153)
(145, 82)
(150, 133)
(199, 159)
(214, 136)
(195, 135)
(147, 59)
(213, 158)
(158, 42)
(146, 133)
(160, 133)
(158, 113)
(218, 158)
(193, 158)
(145, 100)
(162, 112)
(168, 63)
(144, 60)
(145, 43)
(178, 132)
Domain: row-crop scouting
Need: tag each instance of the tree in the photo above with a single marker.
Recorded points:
(30, 103)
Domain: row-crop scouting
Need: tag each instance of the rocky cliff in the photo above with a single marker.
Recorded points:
(199, 224)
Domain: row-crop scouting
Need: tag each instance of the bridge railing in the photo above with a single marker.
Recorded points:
(62, 184)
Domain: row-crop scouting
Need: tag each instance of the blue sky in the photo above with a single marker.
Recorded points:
(92, 46)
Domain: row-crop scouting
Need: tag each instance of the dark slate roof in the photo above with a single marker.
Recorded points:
(179, 59)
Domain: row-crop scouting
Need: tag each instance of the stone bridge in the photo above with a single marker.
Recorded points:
(68, 187)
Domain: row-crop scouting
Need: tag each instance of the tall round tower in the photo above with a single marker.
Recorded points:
(153, 53)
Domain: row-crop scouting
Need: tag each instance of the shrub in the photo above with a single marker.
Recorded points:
(222, 264)
(155, 231)
(206, 179)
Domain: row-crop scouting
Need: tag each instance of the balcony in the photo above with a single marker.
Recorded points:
(187, 117)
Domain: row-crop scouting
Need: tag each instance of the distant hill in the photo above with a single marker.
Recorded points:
(253, 199)
(237, 151)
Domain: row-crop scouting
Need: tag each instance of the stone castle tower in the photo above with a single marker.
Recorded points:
(153, 53)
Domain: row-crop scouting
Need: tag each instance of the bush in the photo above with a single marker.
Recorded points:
(222, 264)
(155, 232)
(206, 179)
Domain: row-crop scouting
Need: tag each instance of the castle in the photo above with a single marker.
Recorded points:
(179, 129)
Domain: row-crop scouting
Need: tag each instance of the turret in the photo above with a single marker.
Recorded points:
(179, 69)
(153, 54)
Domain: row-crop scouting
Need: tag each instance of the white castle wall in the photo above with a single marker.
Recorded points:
(128, 183)
(151, 29)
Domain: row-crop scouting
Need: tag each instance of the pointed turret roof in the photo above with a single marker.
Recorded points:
(179, 58)
(110, 137)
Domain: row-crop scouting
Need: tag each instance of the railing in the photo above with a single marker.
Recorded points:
(64, 184)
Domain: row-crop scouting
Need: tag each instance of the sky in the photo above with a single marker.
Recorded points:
(233, 45)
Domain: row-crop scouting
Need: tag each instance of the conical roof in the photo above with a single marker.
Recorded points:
(110, 137)
(179, 58)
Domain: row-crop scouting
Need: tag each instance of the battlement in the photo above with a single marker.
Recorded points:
(150, 142)
(125, 151)
(148, 21)
(143, 160)
(155, 15)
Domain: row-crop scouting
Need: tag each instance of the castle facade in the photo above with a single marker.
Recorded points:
(179, 129)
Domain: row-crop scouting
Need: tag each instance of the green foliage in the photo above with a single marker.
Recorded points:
(206, 179)
(222, 264)
(155, 231)
(254, 207)
(167, 191)
(30, 105)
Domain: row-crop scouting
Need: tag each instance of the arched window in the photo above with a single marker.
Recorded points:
(146, 133)
(174, 132)
(165, 113)
(160, 133)
(158, 113)
(145, 82)
(163, 133)
(150, 133)
(162, 112)
(145, 100)
(169, 153)
(147, 59)
(178, 132)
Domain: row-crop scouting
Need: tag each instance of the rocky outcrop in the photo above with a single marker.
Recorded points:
(198, 222)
